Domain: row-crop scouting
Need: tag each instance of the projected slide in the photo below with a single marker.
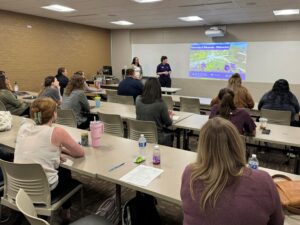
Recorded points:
(218, 60)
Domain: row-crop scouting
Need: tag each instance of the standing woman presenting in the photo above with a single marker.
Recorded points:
(138, 71)
(164, 72)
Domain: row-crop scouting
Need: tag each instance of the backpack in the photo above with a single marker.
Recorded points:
(109, 211)
(141, 210)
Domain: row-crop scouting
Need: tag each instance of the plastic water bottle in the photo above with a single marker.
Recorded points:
(156, 155)
(16, 87)
(253, 162)
(142, 145)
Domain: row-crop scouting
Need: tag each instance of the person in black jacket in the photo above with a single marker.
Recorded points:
(130, 86)
(62, 79)
(281, 98)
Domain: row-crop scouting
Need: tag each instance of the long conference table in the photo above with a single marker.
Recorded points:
(115, 150)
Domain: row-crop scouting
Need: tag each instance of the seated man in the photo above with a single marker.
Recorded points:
(130, 86)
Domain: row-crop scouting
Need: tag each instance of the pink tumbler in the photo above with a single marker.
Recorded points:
(97, 129)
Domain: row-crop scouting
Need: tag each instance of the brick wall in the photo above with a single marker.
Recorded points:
(29, 54)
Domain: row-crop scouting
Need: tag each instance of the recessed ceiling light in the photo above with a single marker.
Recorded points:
(58, 8)
(286, 12)
(191, 18)
(147, 1)
(122, 23)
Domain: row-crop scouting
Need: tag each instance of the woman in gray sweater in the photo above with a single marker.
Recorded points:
(151, 107)
(75, 99)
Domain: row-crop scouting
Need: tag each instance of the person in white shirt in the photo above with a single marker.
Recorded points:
(39, 142)
(138, 71)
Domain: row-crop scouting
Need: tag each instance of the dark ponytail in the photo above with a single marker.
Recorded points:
(226, 106)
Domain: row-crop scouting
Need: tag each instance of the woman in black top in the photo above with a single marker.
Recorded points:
(151, 107)
(62, 78)
(280, 98)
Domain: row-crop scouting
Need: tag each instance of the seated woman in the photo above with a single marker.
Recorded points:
(219, 189)
(86, 86)
(39, 142)
(151, 107)
(227, 109)
(10, 101)
(280, 98)
(243, 98)
(7, 81)
(51, 89)
(75, 99)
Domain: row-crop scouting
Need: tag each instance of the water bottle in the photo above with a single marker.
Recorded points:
(142, 145)
(16, 87)
(156, 155)
(253, 162)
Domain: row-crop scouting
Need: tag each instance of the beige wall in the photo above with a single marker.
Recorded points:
(28, 55)
(281, 31)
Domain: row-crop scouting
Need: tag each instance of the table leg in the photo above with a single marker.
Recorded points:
(178, 134)
(185, 140)
(297, 165)
(119, 200)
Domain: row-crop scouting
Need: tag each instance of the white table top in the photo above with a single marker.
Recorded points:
(193, 122)
(170, 90)
(127, 111)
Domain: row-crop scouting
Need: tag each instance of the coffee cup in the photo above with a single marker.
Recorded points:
(263, 123)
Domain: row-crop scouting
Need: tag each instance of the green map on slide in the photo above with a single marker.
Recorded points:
(218, 60)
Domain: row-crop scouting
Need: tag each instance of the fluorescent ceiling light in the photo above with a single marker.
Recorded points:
(58, 8)
(191, 18)
(122, 23)
(286, 12)
(147, 1)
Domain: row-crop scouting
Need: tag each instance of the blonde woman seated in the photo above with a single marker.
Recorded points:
(219, 189)
(243, 98)
(39, 142)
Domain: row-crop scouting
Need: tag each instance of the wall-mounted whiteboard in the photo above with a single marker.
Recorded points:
(265, 61)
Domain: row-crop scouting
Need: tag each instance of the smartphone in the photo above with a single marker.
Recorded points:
(266, 131)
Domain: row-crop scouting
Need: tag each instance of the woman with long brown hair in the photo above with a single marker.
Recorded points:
(10, 101)
(228, 110)
(243, 98)
(74, 98)
(218, 189)
(150, 107)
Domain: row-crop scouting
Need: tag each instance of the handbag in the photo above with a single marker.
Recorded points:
(5, 120)
(289, 193)
(109, 210)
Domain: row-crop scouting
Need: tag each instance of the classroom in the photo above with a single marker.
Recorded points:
(149, 112)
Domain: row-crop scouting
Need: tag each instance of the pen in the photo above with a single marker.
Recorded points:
(116, 167)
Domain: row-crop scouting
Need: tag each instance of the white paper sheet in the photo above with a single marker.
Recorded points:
(141, 175)
(68, 162)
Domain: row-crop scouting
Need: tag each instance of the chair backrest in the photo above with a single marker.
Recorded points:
(30, 177)
(277, 116)
(191, 105)
(111, 95)
(169, 101)
(2, 106)
(126, 100)
(66, 117)
(26, 207)
(138, 127)
(113, 124)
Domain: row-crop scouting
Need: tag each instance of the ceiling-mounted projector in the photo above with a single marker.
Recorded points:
(215, 32)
